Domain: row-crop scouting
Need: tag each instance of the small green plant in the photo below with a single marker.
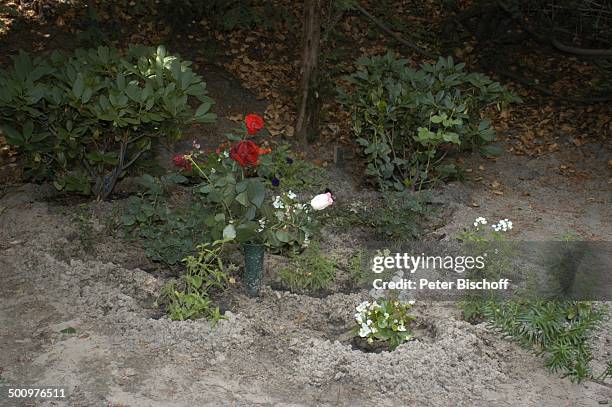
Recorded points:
(81, 120)
(311, 271)
(169, 230)
(189, 298)
(289, 224)
(407, 120)
(387, 321)
(399, 215)
(560, 331)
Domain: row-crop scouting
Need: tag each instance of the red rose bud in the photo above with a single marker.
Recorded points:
(254, 123)
(180, 161)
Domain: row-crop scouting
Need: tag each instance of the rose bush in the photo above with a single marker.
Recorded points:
(245, 210)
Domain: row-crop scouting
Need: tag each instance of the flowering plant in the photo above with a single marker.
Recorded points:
(233, 187)
(387, 321)
(290, 222)
(482, 232)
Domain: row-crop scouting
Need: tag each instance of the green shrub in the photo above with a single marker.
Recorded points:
(560, 331)
(169, 232)
(82, 119)
(407, 120)
(311, 271)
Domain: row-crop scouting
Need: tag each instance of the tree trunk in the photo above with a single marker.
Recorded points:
(307, 123)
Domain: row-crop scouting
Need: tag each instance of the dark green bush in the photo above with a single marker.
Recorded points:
(406, 120)
(82, 119)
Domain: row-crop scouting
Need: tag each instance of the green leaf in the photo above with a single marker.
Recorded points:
(256, 192)
(243, 198)
(128, 220)
(282, 236)
(69, 330)
(78, 86)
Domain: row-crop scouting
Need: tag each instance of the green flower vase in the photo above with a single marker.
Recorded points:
(253, 267)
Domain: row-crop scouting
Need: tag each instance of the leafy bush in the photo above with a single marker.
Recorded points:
(311, 271)
(406, 120)
(189, 298)
(387, 321)
(82, 119)
(169, 232)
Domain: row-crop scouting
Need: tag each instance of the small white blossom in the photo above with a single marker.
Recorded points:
(361, 307)
(291, 195)
(401, 328)
(411, 302)
(503, 225)
(278, 203)
(480, 221)
(364, 331)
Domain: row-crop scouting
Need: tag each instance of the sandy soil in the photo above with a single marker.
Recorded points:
(282, 348)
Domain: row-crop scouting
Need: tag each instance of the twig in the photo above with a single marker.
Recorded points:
(581, 51)
(550, 93)
(390, 32)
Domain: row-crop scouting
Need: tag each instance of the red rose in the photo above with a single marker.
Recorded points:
(180, 161)
(246, 153)
(254, 123)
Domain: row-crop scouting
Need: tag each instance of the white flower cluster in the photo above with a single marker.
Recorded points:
(262, 225)
(503, 225)
(367, 326)
(480, 221)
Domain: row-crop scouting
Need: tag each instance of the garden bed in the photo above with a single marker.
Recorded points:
(277, 348)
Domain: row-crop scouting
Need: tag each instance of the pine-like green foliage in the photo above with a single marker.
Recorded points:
(560, 331)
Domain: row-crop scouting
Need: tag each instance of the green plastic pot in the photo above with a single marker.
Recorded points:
(253, 267)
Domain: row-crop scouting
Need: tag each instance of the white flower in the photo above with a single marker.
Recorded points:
(386, 314)
(291, 195)
(361, 307)
(503, 225)
(364, 331)
(212, 170)
(262, 225)
(369, 322)
(480, 221)
(278, 203)
(411, 302)
(299, 206)
(401, 328)
(374, 330)
(321, 201)
(370, 340)
(226, 154)
(359, 317)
